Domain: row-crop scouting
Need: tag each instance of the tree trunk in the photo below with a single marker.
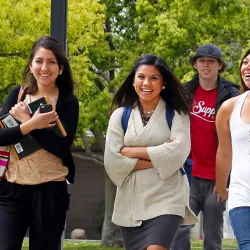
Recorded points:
(86, 144)
(111, 235)
(99, 138)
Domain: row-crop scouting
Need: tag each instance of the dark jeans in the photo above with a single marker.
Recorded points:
(41, 208)
(240, 220)
(202, 198)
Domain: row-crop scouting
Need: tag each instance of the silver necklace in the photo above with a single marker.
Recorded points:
(148, 112)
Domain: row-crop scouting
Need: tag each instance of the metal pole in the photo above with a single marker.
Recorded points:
(58, 29)
(58, 25)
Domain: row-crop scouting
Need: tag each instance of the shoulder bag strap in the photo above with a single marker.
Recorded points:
(21, 93)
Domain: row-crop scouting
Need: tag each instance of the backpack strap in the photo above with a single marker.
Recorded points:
(169, 115)
(125, 117)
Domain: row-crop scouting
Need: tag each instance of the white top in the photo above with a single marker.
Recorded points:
(148, 193)
(239, 189)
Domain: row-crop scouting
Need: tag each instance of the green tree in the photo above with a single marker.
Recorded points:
(177, 28)
(18, 32)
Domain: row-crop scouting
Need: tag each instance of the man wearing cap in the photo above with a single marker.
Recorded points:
(209, 91)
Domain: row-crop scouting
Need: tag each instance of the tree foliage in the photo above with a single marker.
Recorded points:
(179, 27)
(18, 31)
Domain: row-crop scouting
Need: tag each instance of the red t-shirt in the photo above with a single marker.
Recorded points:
(203, 134)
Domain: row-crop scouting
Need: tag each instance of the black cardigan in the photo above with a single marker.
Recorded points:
(67, 108)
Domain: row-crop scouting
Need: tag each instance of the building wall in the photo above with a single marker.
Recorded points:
(86, 193)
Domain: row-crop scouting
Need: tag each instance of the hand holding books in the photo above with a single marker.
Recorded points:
(58, 129)
(20, 112)
(27, 144)
(40, 121)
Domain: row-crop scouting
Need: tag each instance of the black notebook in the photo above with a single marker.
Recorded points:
(26, 145)
(58, 129)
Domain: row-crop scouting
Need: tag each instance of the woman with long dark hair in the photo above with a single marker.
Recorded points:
(34, 193)
(144, 160)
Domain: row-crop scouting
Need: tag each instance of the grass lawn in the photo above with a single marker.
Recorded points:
(81, 245)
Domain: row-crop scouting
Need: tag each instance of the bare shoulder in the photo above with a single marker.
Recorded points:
(228, 106)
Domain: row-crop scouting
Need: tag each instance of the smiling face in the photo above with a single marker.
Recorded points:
(148, 83)
(245, 71)
(45, 68)
(207, 67)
